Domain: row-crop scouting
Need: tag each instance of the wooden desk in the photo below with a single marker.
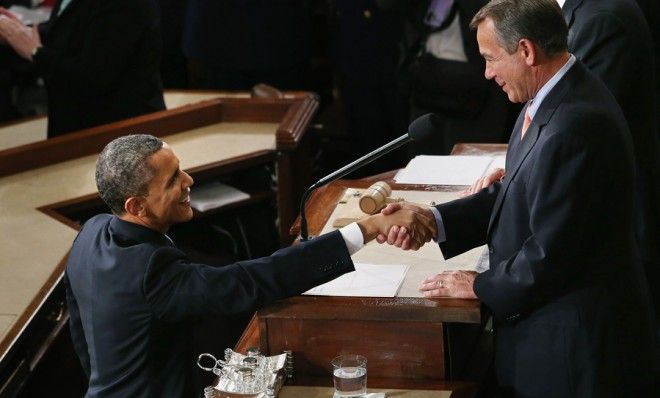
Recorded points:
(446, 390)
(42, 182)
(33, 129)
(409, 341)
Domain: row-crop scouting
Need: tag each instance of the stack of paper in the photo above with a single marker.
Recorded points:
(448, 170)
(368, 280)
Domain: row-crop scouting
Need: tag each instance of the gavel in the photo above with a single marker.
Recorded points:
(376, 197)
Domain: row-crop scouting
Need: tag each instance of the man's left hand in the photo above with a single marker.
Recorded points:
(458, 284)
(23, 39)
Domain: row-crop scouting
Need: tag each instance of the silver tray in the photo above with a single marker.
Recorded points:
(246, 376)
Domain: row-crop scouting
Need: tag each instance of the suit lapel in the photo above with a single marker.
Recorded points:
(514, 161)
(524, 147)
(55, 14)
(569, 11)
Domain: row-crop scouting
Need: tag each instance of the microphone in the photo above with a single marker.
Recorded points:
(418, 130)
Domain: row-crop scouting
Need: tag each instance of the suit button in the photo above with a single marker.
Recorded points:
(490, 250)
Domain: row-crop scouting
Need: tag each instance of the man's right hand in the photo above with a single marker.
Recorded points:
(411, 221)
(421, 229)
(484, 182)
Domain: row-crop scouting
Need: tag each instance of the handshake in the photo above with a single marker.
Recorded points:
(405, 225)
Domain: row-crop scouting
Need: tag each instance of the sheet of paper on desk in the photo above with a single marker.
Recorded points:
(447, 170)
(368, 280)
(214, 195)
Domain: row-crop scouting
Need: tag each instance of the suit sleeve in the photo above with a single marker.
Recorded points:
(177, 289)
(561, 189)
(115, 30)
(466, 221)
(75, 326)
(606, 48)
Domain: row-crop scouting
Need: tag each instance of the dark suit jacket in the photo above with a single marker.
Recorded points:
(131, 295)
(572, 312)
(248, 34)
(100, 62)
(472, 108)
(612, 38)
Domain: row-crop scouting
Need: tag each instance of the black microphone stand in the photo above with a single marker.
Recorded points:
(349, 168)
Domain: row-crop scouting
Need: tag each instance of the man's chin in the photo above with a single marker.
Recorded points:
(514, 99)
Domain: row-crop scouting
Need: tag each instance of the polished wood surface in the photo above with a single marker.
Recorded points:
(441, 390)
(407, 340)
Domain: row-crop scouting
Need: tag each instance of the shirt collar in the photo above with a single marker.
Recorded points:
(137, 232)
(548, 86)
(561, 3)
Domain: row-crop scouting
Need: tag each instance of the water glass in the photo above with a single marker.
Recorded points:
(350, 376)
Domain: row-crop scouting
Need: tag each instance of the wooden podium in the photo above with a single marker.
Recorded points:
(410, 342)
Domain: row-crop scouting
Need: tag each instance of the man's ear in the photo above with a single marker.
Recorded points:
(135, 206)
(528, 51)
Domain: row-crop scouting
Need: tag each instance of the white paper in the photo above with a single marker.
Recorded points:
(448, 170)
(214, 195)
(368, 280)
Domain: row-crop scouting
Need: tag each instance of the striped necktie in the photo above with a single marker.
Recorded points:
(527, 121)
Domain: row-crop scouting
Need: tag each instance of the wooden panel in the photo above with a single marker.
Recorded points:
(403, 338)
(92, 140)
(315, 342)
(394, 309)
(439, 390)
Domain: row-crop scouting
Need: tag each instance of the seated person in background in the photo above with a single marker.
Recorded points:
(131, 293)
(447, 79)
(570, 304)
(99, 59)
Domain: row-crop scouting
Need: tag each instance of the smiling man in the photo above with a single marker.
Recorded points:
(569, 298)
(131, 293)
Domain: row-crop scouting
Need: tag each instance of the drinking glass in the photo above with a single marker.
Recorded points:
(350, 376)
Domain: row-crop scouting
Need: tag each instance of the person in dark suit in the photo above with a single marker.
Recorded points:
(569, 298)
(131, 293)
(99, 59)
(446, 79)
(612, 39)
(236, 44)
(366, 37)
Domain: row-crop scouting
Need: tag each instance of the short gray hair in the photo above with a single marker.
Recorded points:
(122, 169)
(540, 21)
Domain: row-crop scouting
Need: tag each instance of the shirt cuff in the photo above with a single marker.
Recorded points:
(442, 236)
(353, 238)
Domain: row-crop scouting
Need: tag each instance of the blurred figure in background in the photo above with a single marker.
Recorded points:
(613, 40)
(174, 69)
(236, 44)
(366, 37)
(100, 60)
(446, 77)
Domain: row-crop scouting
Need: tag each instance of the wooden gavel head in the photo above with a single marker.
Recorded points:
(375, 197)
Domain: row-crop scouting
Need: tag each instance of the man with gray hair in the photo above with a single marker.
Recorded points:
(131, 293)
(569, 298)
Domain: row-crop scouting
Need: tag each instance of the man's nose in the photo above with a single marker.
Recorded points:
(187, 180)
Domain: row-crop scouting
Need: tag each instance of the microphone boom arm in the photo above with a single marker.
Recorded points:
(349, 168)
